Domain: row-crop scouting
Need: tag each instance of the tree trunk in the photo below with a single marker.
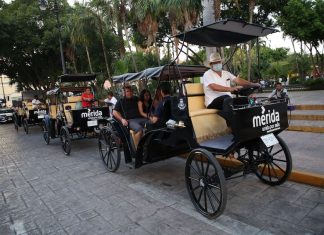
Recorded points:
(208, 18)
(89, 60)
(251, 8)
(297, 66)
(173, 24)
(121, 43)
(104, 48)
(128, 43)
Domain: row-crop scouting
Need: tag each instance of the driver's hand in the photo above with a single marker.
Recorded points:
(124, 122)
(236, 88)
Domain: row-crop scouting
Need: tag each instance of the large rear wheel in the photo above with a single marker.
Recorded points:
(274, 164)
(46, 133)
(25, 125)
(206, 183)
(65, 140)
(109, 149)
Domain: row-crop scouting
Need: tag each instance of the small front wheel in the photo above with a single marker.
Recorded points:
(273, 164)
(65, 140)
(109, 149)
(206, 183)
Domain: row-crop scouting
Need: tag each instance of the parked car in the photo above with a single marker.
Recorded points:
(6, 115)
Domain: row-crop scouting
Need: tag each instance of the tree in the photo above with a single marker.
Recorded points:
(303, 21)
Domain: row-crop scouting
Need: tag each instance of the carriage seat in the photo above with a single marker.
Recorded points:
(206, 123)
(72, 104)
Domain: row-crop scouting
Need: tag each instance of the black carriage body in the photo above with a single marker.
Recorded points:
(89, 118)
(252, 122)
(37, 115)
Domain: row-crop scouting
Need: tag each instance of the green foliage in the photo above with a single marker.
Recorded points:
(315, 84)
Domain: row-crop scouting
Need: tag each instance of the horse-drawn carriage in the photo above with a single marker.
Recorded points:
(28, 114)
(67, 119)
(243, 138)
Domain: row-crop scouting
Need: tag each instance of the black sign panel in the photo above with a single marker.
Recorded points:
(81, 116)
(250, 123)
(37, 113)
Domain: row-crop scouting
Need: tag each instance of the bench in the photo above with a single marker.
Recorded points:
(206, 123)
(69, 106)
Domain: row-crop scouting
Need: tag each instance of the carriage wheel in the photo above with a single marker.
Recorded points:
(25, 125)
(109, 149)
(46, 134)
(16, 122)
(65, 140)
(274, 163)
(206, 183)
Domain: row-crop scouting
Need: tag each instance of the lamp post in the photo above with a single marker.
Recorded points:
(43, 6)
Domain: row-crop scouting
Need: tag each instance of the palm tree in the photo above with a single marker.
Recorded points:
(83, 24)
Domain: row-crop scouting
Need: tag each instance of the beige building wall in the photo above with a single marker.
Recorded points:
(10, 91)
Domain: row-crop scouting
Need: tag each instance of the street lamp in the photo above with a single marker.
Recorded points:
(43, 5)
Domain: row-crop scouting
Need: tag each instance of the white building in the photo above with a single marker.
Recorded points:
(7, 91)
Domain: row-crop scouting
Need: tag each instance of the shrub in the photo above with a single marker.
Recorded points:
(315, 84)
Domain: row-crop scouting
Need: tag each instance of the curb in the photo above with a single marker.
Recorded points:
(295, 175)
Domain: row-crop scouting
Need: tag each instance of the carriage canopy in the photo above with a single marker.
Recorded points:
(166, 72)
(225, 33)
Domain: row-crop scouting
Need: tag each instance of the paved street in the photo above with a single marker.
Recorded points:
(44, 192)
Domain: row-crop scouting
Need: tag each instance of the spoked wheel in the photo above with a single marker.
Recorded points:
(109, 148)
(273, 164)
(16, 122)
(206, 183)
(65, 140)
(25, 125)
(46, 134)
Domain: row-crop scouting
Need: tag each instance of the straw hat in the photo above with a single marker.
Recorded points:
(214, 57)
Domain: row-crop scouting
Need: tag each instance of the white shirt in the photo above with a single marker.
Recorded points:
(278, 94)
(212, 77)
(35, 103)
(112, 101)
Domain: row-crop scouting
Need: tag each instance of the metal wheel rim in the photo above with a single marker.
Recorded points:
(45, 133)
(274, 168)
(109, 150)
(66, 142)
(206, 183)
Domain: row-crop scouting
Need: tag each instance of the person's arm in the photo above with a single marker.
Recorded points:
(140, 109)
(120, 118)
(221, 88)
(272, 94)
(243, 82)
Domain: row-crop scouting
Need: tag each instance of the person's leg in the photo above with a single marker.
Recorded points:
(218, 102)
(136, 126)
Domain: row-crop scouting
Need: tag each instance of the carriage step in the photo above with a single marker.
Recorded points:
(221, 143)
(306, 117)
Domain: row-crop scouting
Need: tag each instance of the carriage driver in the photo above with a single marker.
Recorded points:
(217, 83)
(126, 111)
(36, 102)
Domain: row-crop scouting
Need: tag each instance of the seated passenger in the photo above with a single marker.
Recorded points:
(110, 100)
(163, 111)
(145, 103)
(278, 93)
(87, 98)
(126, 111)
(36, 102)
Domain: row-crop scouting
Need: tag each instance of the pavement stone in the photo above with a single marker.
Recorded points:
(42, 191)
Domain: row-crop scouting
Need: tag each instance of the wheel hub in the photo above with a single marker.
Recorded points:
(202, 182)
